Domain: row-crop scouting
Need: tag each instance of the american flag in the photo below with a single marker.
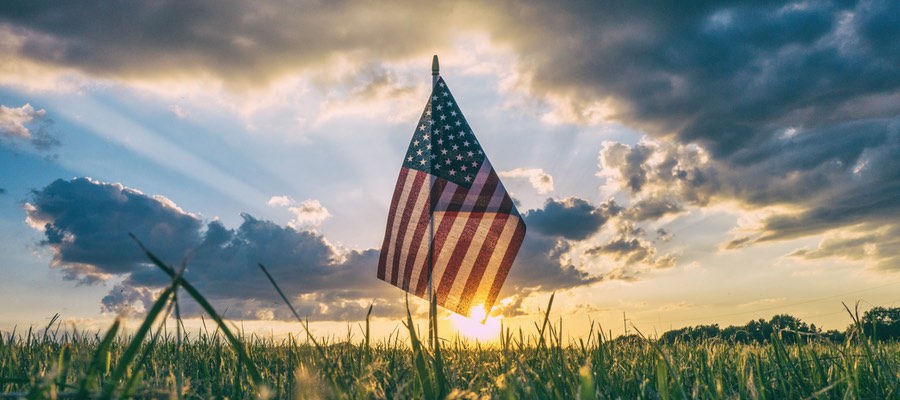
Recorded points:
(476, 228)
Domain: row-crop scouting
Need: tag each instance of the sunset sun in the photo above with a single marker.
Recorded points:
(472, 327)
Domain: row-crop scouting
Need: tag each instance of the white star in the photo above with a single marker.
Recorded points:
(446, 94)
(437, 166)
(441, 84)
(415, 143)
(458, 123)
(450, 103)
(468, 178)
(434, 97)
(453, 113)
(447, 161)
(463, 168)
(469, 153)
(474, 163)
(443, 117)
(427, 112)
(461, 133)
(451, 137)
(440, 141)
(479, 152)
(433, 156)
(466, 143)
(446, 126)
(452, 172)
(409, 158)
(444, 152)
(425, 137)
(458, 157)
(429, 148)
(439, 107)
(418, 152)
(455, 147)
(422, 161)
(422, 127)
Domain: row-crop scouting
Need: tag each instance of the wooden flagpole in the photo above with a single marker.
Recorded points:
(432, 307)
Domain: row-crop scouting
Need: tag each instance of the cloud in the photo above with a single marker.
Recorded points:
(307, 214)
(571, 218)
(810, 185)
(26, 123)
(222, 39)
(540, 180)
(878, 246)
(86, 224)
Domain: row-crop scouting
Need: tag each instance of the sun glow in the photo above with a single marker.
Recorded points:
(472, 327)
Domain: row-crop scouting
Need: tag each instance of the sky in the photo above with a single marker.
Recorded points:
(676, 164)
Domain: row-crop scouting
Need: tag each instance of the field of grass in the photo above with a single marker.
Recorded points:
(218, 362)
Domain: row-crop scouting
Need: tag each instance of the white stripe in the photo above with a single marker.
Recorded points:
(443, 259)
(490, 273)
(395, 228)
(468, 263)
(421, 262)
(477, 187)
(418, 206)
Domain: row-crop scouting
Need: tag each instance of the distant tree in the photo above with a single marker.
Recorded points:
(882, 323)
(834, 336)
(789, 328)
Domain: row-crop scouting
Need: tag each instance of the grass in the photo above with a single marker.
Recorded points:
(154, 362)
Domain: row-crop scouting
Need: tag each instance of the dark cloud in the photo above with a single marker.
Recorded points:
(571, 218)
(86, 225)
(241, 42)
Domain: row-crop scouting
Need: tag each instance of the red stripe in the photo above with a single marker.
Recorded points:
(440, 237)
(487, 192)
(424, 219)
(398, 190)
(506, 206)
(404, 223)
(506, 264)
(459, 254)
(481, 262)
(459, 197)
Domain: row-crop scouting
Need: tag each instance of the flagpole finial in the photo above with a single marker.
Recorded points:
(435, 68)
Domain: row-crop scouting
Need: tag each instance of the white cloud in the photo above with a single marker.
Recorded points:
(13, 120)
(307, 214)
(279, 201)
(540, 180)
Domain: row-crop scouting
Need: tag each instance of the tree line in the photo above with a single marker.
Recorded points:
(879, 323)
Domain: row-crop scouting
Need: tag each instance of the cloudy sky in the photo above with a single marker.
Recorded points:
(683, 165)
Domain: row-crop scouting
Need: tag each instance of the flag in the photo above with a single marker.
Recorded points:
(450, 215)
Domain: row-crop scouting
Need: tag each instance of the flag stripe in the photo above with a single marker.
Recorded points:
(419, 277)
(422, 214)
(506, 236)
(464, 255)
(451, 242)
(469, 290)
(401, 192)
(441, 232)
(406, 214)
(506, 264)
(477, 186)
(476, 260)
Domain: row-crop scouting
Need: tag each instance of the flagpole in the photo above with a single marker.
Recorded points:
(435, 74)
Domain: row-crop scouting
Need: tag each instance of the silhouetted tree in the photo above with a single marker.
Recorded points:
(882, 323)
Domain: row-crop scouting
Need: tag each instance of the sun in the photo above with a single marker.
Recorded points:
(472, 327)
